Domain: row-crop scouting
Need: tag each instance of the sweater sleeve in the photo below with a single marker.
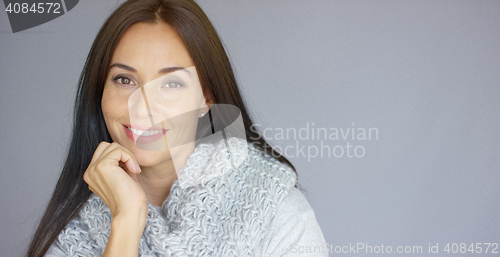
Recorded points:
(294, 230)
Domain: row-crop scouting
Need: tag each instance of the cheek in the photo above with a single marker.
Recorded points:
(113, 106)
(181, 104)
(106, 104)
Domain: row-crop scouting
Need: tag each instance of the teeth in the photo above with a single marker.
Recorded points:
(138, 132)
(145, 133)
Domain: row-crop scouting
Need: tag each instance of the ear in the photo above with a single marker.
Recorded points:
(205, 106)
(208, 102)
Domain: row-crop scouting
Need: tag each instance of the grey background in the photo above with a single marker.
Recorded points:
(424, 73)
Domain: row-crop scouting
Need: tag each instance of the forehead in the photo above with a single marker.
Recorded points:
(145, 45)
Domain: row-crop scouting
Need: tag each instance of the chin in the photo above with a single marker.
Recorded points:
(149, 158)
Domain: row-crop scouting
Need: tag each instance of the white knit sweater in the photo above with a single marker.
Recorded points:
(224, 203)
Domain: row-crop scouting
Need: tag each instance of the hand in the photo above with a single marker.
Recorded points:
(112, 175)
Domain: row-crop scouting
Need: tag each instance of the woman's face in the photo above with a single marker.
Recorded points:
(152, 96)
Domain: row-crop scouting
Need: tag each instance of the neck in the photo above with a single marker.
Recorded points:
(156, 183)
(157, 180)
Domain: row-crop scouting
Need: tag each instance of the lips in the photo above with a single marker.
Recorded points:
(143, 135)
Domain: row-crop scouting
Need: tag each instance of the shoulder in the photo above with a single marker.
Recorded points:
(293, 230)
(87, 231)
(75, 232)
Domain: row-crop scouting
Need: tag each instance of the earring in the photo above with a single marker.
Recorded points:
(202, 114)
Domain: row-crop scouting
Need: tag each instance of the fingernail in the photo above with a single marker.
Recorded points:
(138, 168)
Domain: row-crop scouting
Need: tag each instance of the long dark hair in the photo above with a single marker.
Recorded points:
(215, 74)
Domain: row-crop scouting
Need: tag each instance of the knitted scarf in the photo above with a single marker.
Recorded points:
(221, 205)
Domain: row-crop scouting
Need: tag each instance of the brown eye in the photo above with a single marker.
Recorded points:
(125, 81)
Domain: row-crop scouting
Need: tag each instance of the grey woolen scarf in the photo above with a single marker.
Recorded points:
(221, 205)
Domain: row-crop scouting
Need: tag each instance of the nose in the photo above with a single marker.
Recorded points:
(141, 109)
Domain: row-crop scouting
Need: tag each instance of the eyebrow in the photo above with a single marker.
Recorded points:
(162, 71)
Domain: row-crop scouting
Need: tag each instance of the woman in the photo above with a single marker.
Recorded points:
(209, 191)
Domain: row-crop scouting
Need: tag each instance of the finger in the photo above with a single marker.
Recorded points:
(119, 154)
(132, 174)
(99, 150)
(136, 168)
(110, 147)
(133, 166)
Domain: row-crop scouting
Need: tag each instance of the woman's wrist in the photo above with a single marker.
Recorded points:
(126, 233)
(131, 221)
